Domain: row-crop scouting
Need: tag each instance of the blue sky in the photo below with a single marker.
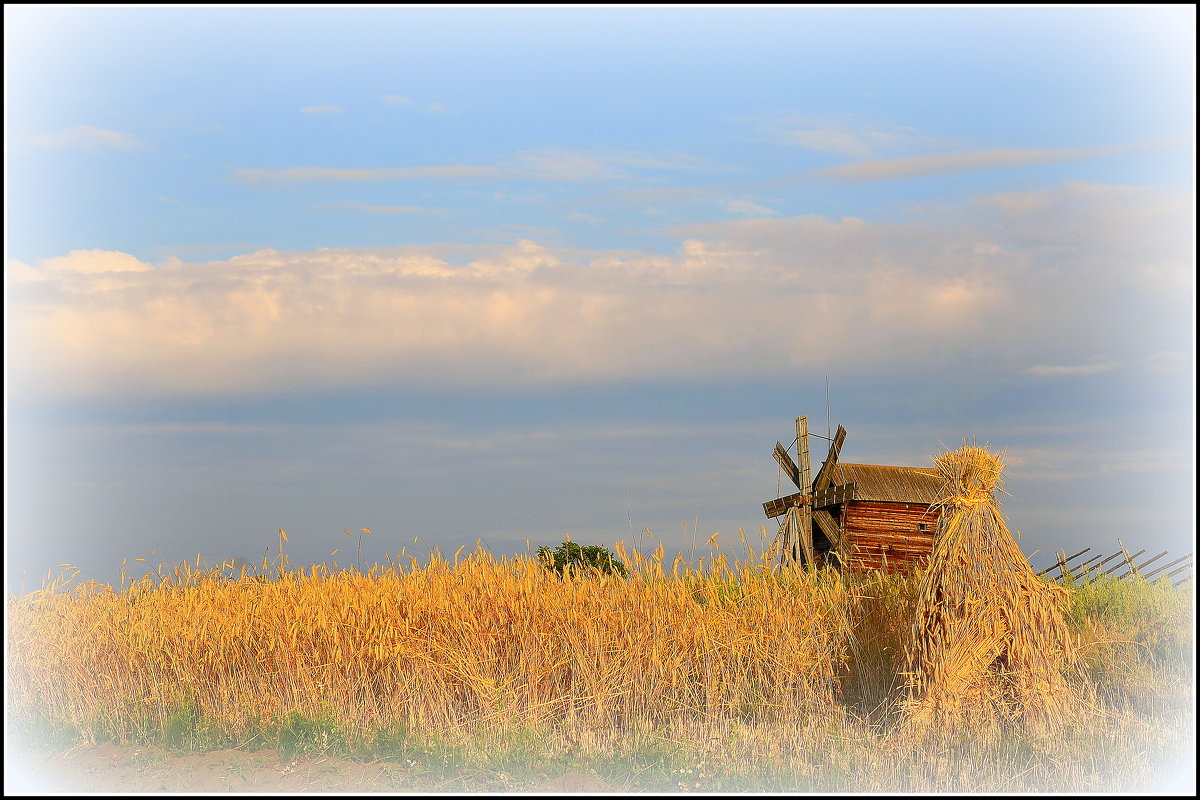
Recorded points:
(513, 273)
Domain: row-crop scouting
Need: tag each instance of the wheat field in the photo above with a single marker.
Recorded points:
(721, 675)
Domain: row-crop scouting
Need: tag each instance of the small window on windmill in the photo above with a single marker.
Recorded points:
(921, 526)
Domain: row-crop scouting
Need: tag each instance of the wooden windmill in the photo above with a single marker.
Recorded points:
(809, 505)
(854, 516)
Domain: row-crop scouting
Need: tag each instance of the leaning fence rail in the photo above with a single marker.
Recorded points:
(1097, 566)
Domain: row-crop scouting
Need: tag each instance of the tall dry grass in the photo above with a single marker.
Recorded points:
(439, 646)
(740, 676)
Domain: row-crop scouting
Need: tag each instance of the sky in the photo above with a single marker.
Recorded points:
(517, 273)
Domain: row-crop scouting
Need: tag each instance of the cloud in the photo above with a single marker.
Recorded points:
(971, 161)
(94, 261)
(1043, 371)
(186, 429)
(573, 436)
(988, 287)
(748, 209)
(666, 195)
(373, 209)
(322, 108)
(848, 135)
(590, 219)
(1167, 362)
(861, 141)
(516, 232)
(87, 137)
(551, 165)
(576, 165)
(564, 165)
(398, 100)
(830, 140)
(1089, 459)
(20, 272)
(200, 250)
(256, 177)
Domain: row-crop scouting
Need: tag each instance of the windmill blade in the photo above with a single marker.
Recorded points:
(787, 538)
(804, 535)
(780, 505)
(825, 476)
(788, 466)
(833, 531)
(802, 452)
(804, 532)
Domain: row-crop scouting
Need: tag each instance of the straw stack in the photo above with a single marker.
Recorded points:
(988, 643)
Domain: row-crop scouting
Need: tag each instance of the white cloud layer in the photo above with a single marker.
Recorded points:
(1007, 283)
(254, 176)
(87, 137)
(94, 261)
(943, 163)
(400, 100)
(860, 141)
(746, 208)
(1090, 459)
(376, 209)
(1048, 371)
(551, 165)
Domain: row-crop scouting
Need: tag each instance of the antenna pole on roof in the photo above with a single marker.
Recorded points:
(828, 429)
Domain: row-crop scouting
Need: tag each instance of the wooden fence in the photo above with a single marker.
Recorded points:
(1098, 566)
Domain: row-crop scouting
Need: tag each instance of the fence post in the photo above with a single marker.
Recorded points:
(1128, 560)
(1154, 572)
(1098, 575)
(1093, 569)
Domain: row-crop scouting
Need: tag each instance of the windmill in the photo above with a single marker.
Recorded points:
(809, 506)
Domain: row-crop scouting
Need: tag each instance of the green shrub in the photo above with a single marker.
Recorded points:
(299, 734)
(1134, 639)
(581, 557)
(1156, 615)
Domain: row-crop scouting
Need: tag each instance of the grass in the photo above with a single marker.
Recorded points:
(497, 673)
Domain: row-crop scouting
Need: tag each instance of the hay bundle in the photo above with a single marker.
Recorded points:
(988, 643)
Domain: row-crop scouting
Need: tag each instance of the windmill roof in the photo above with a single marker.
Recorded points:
(883, 484)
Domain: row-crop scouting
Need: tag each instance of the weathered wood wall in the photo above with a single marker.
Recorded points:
(888, 535)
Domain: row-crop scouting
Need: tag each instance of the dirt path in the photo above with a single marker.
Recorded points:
(109, 768)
